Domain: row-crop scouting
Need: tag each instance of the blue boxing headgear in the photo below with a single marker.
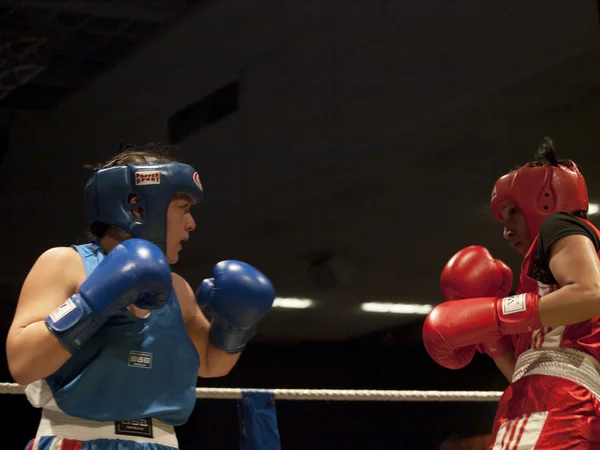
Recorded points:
(108, 192)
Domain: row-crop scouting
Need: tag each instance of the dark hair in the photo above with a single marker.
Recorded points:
(545, 155)
(129, 154)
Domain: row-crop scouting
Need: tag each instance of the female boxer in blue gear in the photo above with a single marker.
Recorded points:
(107, 340)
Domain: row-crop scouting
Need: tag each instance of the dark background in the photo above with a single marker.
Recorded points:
(347, 149)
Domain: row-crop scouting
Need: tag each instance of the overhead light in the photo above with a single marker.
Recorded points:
(593, 208)
(290, 302)
(396, 308)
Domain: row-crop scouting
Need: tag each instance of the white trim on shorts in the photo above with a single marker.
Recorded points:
(522, 433)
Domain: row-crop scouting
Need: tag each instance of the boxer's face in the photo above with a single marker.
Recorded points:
(180, 224)
(515, 229)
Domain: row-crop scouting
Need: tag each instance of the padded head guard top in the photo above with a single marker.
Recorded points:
(108, 192)
(539, 189)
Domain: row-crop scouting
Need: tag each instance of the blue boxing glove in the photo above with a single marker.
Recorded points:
(236, 299)
(135, 271)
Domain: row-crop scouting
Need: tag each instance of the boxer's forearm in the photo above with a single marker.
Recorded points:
(506, 364)
(218, 363)
(569, 305)
(34, 353)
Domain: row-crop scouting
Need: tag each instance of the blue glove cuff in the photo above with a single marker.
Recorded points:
(230, 340)
(73, 323)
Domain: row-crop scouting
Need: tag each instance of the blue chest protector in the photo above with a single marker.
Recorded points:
(131, 368)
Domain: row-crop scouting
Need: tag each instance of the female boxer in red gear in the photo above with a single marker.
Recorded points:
(552, 320)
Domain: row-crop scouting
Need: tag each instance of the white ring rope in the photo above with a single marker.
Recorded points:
(330, 394)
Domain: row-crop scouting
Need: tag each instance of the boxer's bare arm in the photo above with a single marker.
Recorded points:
(213, 362)
(33, 352)
(575, 265)
(506, 364)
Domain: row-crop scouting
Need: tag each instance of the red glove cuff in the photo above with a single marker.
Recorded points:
(519, 313)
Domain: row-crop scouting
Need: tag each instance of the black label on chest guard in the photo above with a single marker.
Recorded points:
(139, 427)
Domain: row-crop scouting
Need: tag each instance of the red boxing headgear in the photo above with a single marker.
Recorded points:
(540, 190)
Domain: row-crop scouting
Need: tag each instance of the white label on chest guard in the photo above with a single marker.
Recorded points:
(62, 310)
(140, 359)
(514, 304)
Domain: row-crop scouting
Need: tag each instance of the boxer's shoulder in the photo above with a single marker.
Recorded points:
(64, 263)
(63, 258)
(179, 283)
(60, 254)
(55, 276)
(185, 295)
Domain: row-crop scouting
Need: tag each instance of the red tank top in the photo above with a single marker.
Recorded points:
(584, 336)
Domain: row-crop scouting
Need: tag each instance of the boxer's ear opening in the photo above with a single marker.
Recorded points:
(132, 200)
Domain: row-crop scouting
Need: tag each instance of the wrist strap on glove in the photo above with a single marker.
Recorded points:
(228, 339)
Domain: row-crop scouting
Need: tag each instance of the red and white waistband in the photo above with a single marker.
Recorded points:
(568, 363)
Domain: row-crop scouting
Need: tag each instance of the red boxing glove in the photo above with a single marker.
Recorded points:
(445, 353)
(473, 272)
(456, 324)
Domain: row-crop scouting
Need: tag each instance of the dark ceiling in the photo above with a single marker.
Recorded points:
(357, 156)
(50, 49)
